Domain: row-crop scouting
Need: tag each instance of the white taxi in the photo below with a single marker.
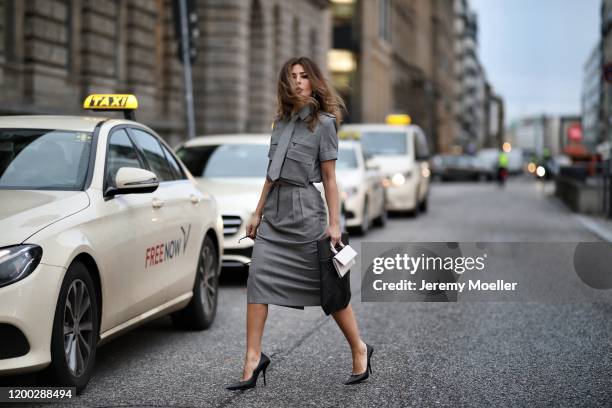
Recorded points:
(103, 228)
(401, 151)
(362, 187)
(232, 167)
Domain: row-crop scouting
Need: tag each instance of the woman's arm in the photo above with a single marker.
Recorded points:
(251, 229)
(328, 175)
(262, 198)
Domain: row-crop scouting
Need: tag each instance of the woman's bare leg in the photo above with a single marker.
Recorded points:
(345, 319)
(256, 320)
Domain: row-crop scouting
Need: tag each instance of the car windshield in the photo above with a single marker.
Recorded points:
(229, 160)
(347, 158)
(384, 143)
(34, 159)
(457, 160)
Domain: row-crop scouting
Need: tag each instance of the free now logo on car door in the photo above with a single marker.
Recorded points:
(168, 251)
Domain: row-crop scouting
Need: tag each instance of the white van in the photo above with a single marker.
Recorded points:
(401, 152)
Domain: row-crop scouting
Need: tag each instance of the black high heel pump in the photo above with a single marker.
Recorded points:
(357, 378)
(251, 382)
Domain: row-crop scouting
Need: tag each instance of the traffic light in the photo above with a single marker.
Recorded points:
(193, 32)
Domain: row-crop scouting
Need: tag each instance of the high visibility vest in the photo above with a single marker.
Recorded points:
(503, 159)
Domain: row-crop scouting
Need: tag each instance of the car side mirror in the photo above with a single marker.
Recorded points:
(132, 180)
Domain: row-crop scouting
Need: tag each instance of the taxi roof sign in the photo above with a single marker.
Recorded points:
(349, 135)
(398, 119)
(110, 102)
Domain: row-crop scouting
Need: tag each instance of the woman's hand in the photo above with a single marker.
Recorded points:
(253, 224)
(333, 232)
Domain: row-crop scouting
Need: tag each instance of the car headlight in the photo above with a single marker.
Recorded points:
(17, 262)
(399, 179)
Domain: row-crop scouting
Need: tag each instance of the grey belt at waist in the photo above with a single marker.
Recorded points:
(286, 183)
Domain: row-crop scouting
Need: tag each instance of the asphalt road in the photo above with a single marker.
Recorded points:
(426, 354)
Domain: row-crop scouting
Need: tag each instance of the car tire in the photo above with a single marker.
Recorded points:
(423, 205)
(73, 368)
(381, 220)
(200, 313)
(365, 220)
(415, 211)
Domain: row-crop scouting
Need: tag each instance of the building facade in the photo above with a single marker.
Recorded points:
(413, 65)
(494, 118)
(360, 60)
(606, 92)
(443, 73)
(55, 52)
(592, 85)
(396, 56)
(470, 81)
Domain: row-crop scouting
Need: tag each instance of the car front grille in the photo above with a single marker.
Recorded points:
(231, 224)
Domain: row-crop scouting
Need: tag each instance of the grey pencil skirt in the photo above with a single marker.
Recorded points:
(284, 267)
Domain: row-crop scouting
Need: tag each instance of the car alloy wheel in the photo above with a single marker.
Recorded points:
(78, 328)
(207, 270)
(199, 314)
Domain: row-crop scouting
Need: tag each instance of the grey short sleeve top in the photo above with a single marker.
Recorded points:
(306, 149)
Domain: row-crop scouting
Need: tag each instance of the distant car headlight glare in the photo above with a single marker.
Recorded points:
(398, 179)
(17, 262)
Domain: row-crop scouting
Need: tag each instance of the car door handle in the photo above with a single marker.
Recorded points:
(194, 200)
(157, 203)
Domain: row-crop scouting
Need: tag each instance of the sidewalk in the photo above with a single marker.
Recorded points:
(597, 224)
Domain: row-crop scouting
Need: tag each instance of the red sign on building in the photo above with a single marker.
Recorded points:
(574, 132)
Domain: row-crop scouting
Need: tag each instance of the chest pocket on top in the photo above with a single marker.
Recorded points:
(303, 145)
(296, 167)
(299, 160)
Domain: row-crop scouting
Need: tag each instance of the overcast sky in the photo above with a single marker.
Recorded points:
(534, 51)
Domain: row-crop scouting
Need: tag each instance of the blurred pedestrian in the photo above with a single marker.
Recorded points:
(290, 217)
(502, 167)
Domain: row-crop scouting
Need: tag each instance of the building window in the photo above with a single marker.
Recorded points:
(3, 26)
(383, 20)
(278, 32)
(69, 35)
(296, 37)
(313, 44)
(7, 30)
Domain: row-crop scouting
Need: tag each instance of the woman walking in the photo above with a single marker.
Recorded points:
(290, 217)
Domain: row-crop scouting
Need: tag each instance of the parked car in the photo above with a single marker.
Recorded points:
(362, 187)
(401, 152)
(455, 167)
(103, 228)
(233, 169)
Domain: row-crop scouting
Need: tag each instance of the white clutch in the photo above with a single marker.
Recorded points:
(344, 259)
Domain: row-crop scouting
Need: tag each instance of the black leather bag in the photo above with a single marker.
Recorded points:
(335, 291)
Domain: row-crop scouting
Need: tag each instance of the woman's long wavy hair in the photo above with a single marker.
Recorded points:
(323, 98)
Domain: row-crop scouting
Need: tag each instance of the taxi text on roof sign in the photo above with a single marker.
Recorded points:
(398, 119)
(110, 102)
